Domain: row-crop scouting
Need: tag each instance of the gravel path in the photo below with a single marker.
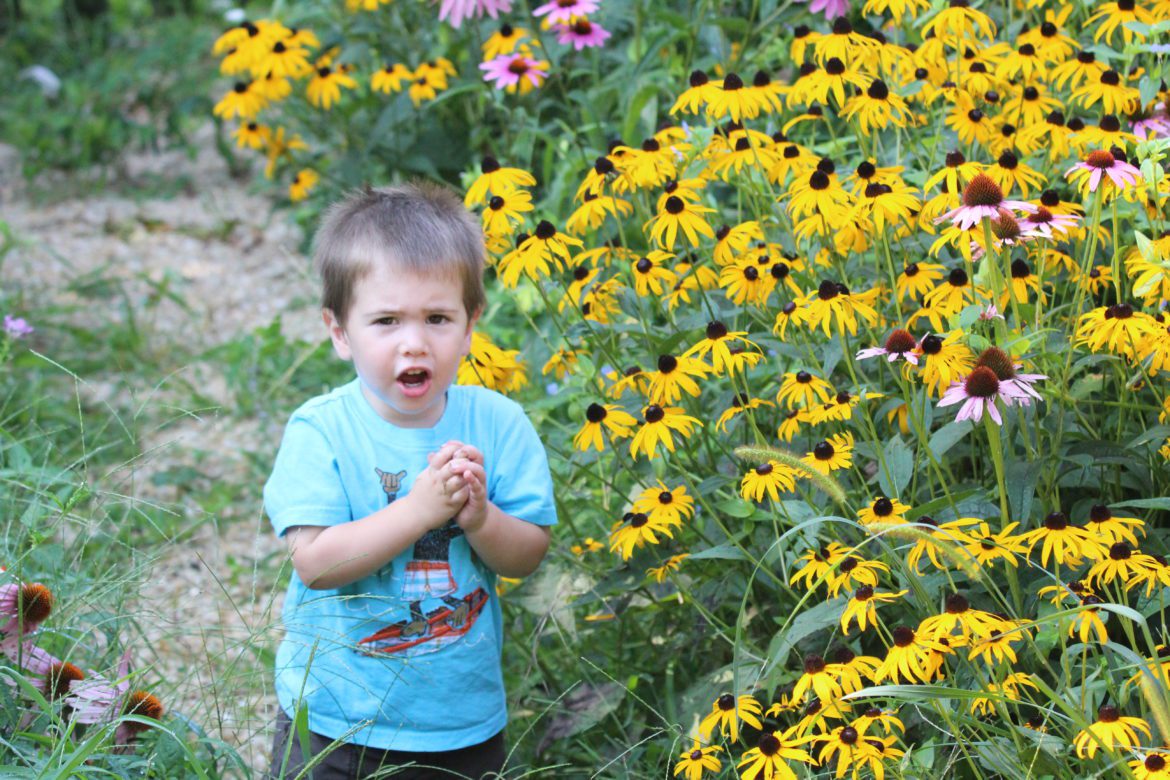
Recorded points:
(210, 600)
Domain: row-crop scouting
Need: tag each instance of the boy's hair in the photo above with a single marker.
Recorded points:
(419, 227)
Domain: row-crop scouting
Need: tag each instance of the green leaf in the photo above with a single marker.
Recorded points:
(724, 552)
(948, 436)
(1162, 502)
(736, 507)
(899, 464)
(634, 114)
(805, 624)
(1021, 486)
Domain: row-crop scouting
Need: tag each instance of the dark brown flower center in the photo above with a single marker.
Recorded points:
(654, 413)
(982, 383)
(545, 230)
(595, 413)
(999, 362)
(823, 451)
(1056, 521)
(849, 735)
(813, 664)
(769, 745)
(727, 702)
(35, 603)
(957, 604)
(674, 204)
(883, 507)
(903, 636)
(1120, 552)
(1100, 158)
(1107, 713)
(982, 191)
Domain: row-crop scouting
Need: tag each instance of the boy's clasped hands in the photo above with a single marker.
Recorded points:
(454, 484)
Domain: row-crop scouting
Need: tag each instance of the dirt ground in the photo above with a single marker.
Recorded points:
(210, 602)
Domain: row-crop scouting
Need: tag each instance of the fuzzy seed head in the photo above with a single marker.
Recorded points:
(982, 191)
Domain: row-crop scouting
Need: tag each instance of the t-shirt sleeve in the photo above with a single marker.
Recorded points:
(521, 483)
(305, 486)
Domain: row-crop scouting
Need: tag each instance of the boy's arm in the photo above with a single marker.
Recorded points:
(328, 557)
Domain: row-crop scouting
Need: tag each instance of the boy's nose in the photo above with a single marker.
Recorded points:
(414, 341)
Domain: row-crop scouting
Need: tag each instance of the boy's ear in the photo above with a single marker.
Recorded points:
(337, 334)
(474, 318)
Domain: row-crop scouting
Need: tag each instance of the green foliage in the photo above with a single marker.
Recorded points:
(128, 80)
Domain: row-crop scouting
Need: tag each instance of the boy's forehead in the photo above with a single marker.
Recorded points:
(404, 287)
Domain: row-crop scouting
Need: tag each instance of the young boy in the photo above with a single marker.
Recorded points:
(402, 497)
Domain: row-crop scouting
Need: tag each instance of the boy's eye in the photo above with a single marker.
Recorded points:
(386, 321)
(437, 319)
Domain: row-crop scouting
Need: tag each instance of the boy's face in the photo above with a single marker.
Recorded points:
(406, 335)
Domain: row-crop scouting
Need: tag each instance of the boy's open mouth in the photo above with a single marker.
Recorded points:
(414, 382)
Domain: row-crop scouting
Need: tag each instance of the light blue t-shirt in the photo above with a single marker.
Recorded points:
(411, 653)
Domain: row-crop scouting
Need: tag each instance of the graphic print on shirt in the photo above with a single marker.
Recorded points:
(439, 614)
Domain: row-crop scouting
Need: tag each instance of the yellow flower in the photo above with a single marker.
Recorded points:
(663, 229)
(692, 763)
(726, 713)
(302, 184)
(802, 388)
(768, 478)
(325, 87)
(659, 422)
(589, 545)
(633, 531)
(389, 79)
(670, 564)
(505, 212)
(862, 607)
(609, 417)
(669, 507)
(909, 659)
(883, 510)
(833, 453)
(496, 180)
(819, 565)
(768, 760)
(675, 375)
(1111, 730)
(244, 101)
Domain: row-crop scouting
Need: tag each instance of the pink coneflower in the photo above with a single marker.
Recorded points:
(564, 10)
(899, 344)
(1006, 230)
(97, 700)
(1150, 126)
(455, 11)
(830, 8)
(1044, 224)
(511, 70)
(1101, 163)
(25, 605)
(993, 378)
(982, 199)
(581, 33)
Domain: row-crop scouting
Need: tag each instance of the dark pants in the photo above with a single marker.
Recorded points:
(348, 761)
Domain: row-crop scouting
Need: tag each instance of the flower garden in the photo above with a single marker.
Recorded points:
(846, 327)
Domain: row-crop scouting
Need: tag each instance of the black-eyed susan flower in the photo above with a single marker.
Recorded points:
(675, 376)
(719, 342)
(876, 108)
(958, 22)
(1112, 528)
(908, 658)
(503, 41)
(986, 547)
(739, 404)
(883, 510)
(833, 307)
(561, 363)
(252, 135)
(767, 760)
(819, 195)
(887, 204)
(492, 367)
(733, 240)
(917, 279)
(839, 409)
(818, 563)
(496, 179)
(660, 573)
(669, 507)
(769, 479)
(853, 572)
(1106, 134)
(634, 531)
(734, 100)
(600, 418)
(244, 100)
(726, 713)
(819, 679)
(801, 388)
(694, 99)
(1087, 623)
(1155, 765)
(601, 303)
(1111, 730)
(944, 360)
(325, 87)
(862, 607)
(537, 255)
(1067, 544)
(1122, 563)
(699, 759)
(853, 669)
(831, 454)
(587, 545)
(302, 184)
(504, 213)
(677, 213)
(652, 274)
(959, 623)
(278, 147)
(1008, 688)
(659, 422)
(1113, 16)
(592, 212)
(1118, 328)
